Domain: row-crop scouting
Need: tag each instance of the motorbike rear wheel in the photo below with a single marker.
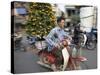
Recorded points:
(91, 45)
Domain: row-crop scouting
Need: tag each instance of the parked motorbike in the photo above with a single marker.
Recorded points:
(85, 39)
(88, 40)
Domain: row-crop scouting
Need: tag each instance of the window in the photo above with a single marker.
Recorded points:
(70, 12)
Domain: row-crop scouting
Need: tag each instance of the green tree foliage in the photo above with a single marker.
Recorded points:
(41, 19)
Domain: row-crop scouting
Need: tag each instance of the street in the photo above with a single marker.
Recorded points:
(26, 62)
(91, 55)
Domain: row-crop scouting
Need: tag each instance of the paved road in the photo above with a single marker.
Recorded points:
(92, 58)
(25, 62)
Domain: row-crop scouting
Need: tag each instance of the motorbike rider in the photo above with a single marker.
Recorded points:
(56, 36)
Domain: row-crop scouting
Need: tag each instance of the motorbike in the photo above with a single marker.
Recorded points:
(60, 59)
(85, 39)
(88, 40)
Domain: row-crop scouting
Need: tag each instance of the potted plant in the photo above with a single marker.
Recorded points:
(41, 19)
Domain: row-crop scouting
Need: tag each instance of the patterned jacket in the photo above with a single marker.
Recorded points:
(55, 36)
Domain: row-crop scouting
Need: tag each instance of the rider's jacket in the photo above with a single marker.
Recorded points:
(55, 36)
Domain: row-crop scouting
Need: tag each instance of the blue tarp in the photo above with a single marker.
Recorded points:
(20, 11)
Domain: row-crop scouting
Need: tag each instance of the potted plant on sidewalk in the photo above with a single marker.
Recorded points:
(41, 19)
